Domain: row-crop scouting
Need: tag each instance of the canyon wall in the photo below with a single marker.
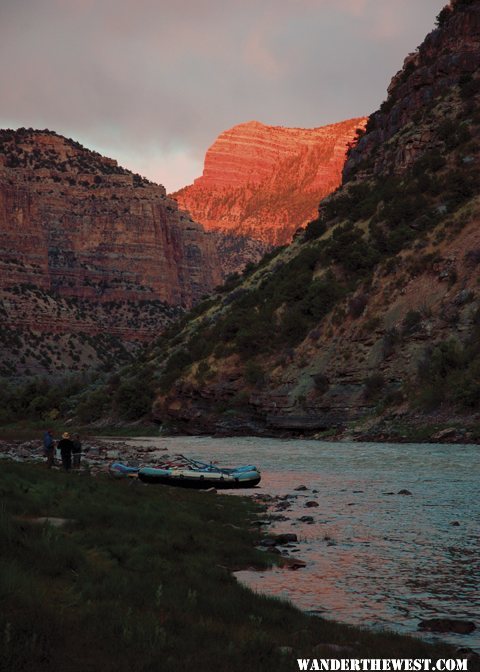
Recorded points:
(76, 226)
(264, 182)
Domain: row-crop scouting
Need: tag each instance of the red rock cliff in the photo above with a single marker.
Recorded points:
(87, 247)
(265, 182)
(76, 223)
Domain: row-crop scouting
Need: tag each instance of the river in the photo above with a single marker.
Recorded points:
(374, 557)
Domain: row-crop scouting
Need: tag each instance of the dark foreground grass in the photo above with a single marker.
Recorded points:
(139, 580)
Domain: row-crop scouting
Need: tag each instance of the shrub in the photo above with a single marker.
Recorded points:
(133, 399)
(412, 322)
(315, 229)
(439, 361)
(450, 372)
(357, 305)
(443, 16)
(93, 407)
(390, 340)
(374, 384)
(254, 374)
(321, 383)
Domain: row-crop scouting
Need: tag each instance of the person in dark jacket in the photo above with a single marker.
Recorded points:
(49, 448)
(65, 445)
(76, 452)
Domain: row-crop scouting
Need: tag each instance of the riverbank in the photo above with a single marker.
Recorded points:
(125, 576)
(400, 427)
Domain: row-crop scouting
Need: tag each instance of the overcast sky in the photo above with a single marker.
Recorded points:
(151, 83)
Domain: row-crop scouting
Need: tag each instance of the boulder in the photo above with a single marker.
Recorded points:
(444, 434)
(458, 626)
(286, 538)
(293, 563)
(279, 539)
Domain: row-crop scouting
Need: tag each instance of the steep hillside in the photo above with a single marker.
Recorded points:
(261, 183)
(373, 315)
(89, 252)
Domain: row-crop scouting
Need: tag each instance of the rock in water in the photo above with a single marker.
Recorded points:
(447, 625)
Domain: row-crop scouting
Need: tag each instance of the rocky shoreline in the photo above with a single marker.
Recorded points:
(97, 454)
(398, 426)
(375, 434)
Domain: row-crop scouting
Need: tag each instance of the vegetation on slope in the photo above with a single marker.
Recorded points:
(82, 161)
(363, 232)
(374, 231)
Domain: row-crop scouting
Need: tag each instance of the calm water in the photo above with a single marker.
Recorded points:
(374, 558)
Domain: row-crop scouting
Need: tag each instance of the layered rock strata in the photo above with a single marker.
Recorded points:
(75, 222)
(76, 226)
(264, 182)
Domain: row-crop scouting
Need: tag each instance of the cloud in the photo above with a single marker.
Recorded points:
(259, 47)
(152, 83)
(354, 7)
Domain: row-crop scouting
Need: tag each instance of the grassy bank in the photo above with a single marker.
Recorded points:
(139, 580)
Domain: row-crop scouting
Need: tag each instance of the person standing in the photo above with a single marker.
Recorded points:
(76, 452)
(49, 448)
(65, 445)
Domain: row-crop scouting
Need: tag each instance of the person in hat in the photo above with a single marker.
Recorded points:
(49, 448)
(65, 445)
(76, 451)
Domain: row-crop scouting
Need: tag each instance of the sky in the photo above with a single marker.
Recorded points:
(151, 83)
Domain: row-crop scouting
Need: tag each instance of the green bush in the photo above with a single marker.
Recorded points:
(450, 372)
(373, 386)
(412, 322)
(133, 399)
(254, 374)
(321, 383)
(93, 406)
(315, 229)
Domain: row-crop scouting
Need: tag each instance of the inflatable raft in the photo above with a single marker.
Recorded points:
(195, 478)
(188, 473)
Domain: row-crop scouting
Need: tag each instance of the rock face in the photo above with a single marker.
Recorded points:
(264, 182)
(76, 227)
(74, 222)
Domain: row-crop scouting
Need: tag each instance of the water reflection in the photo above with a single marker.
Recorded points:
(375, 557)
